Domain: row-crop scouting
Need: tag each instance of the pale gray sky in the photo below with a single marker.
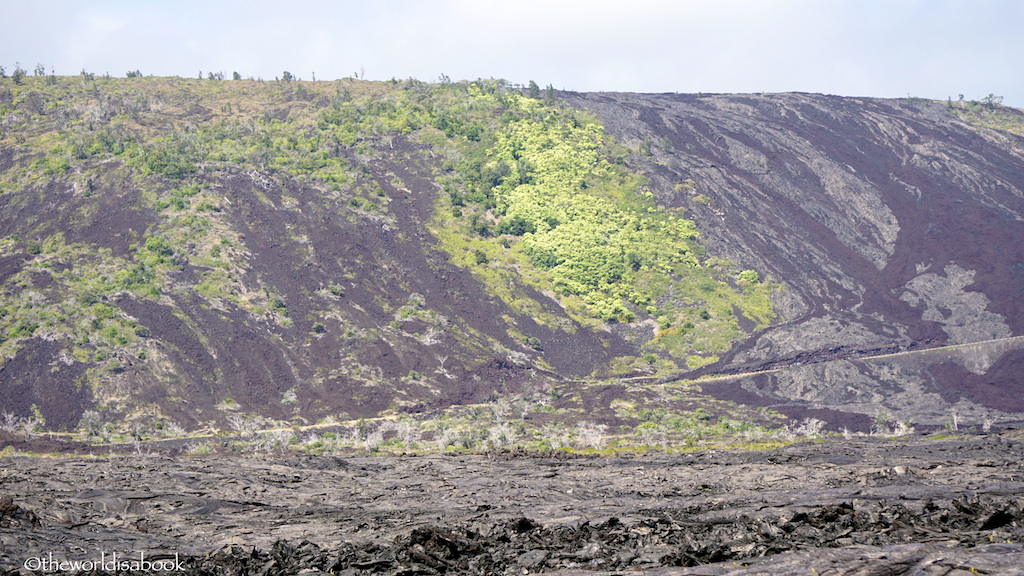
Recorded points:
(887, 48)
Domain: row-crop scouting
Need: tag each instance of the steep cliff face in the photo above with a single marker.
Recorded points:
(892, 224)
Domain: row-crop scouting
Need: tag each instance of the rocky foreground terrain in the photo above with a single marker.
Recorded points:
(923, 504)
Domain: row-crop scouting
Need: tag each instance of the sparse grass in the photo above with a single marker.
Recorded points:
(536, 420)
(988, 116)
(137, 122)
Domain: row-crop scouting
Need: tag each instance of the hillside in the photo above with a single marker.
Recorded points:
(893, 225)
(177, 253)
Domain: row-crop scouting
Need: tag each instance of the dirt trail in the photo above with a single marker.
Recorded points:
(708, 374)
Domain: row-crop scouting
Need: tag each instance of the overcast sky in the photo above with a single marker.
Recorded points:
(888, 48)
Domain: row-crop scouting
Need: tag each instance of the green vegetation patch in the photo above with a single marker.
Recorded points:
(66, 291)
(537, 196)
(988, 113)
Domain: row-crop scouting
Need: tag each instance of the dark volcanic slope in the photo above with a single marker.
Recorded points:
(271, 290)
(891, 224)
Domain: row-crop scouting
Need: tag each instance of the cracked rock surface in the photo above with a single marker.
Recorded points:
(917, 505)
